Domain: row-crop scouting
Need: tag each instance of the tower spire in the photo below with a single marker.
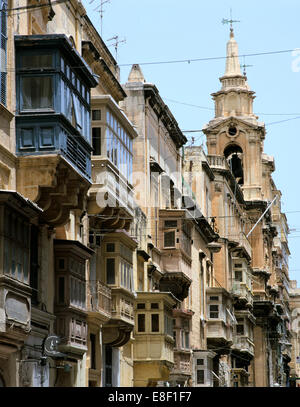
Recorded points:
(233, 67)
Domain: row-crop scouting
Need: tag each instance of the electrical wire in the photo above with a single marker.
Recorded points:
(209, 58)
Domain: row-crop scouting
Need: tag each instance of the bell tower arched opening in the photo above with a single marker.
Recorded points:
(234, 156)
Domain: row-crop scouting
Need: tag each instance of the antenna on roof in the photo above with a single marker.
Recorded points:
(116, 43)
(101, 11)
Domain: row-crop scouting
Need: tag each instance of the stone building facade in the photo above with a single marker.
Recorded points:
(124, 257)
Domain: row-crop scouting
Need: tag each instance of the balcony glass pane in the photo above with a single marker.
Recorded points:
(155, 322)
(37, 93)
(110, 271)
(36, 61)
(141, 322)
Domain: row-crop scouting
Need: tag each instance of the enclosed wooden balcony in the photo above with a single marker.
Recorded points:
(175, 246)
(70, 294)
(220, 319)
(53, 141)
(16, 215)
(153, 334)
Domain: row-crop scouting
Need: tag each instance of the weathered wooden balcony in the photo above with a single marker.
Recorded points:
(99, 301)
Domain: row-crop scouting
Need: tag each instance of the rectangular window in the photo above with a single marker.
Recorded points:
(170, 223)
(110, 247)
(154, 305)
(61, 290)
(37, 93)
(96, 114)
(36, 61)
(187, 340)
(214, 298)
(16, 247)
(110, 271)
(154, 322)
(141, 306)
(200, 376)
(141, 322)
(96, 140)
(169, 239)
(238, 275)
(214, 311)
(240, 329)
(200, 362)
(108, 366)
(93, 351)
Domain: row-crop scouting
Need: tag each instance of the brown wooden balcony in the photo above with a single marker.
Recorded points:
(99, 302)
(70, 305)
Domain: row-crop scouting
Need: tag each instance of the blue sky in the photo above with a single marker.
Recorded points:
(168, 30)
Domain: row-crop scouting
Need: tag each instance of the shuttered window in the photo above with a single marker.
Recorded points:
(3, 50)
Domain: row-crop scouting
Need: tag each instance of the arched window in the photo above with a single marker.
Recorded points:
(234, 156)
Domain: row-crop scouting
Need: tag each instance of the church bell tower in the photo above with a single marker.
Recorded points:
(235, 132)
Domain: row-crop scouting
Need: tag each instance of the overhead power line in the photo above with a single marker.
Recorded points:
(209, 58)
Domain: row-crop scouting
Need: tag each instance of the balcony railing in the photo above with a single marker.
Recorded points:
(99, 298)
(218, 161)
(122, 306)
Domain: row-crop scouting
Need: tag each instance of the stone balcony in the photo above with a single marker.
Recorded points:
(182, 363)
(99, 302)
(242, 293)
(218, 333)
(243, 344)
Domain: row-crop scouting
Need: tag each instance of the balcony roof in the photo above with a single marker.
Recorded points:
(61, 42)
(20, 203)
(73, 245)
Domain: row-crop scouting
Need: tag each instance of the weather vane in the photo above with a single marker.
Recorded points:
(227, 21)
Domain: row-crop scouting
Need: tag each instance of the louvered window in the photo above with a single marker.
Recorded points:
(3, 50)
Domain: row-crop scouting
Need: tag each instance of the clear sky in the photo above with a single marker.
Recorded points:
(172, 30)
